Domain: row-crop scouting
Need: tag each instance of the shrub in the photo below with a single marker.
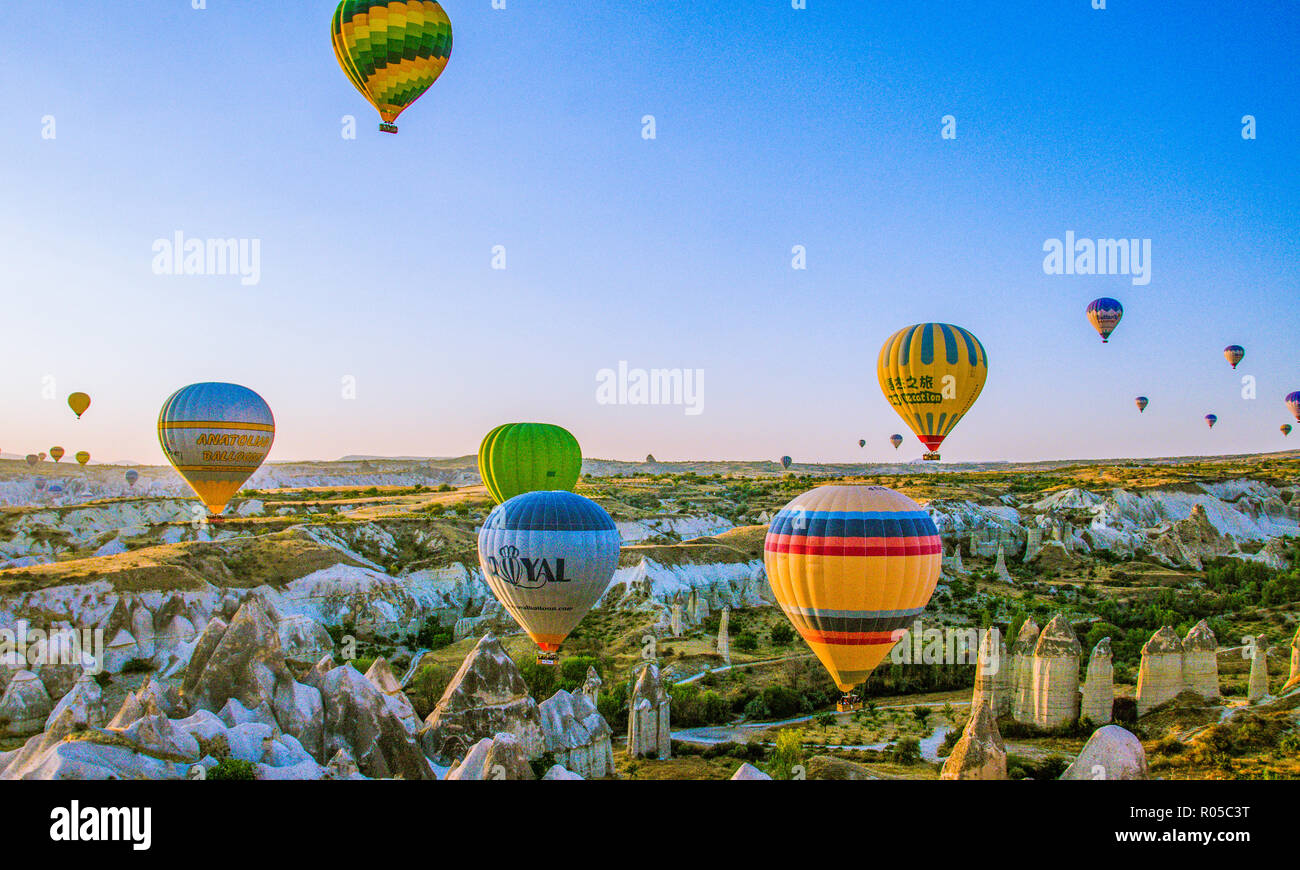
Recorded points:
(232, 769)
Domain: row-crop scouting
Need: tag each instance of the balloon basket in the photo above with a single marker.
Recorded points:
(849, 703)
(931, 457)
(548, 658)
(387, 128)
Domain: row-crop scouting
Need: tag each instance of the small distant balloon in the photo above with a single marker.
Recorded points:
(786, 462)
(1286, 429)
(1211, 419)
(1142, 402)
(32, 459)
(40, 456)
(1234, 354)
(83, 457)
(1293, 404)
(1105, 314)
(79, 403)
(862, 443)
(896, 440)
(56, 453)
(131, 477)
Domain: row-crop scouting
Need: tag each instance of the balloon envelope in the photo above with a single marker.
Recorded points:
(131, 477)
(786, 462)
(1234, 353)
(391, 50)
(56, 453)
(83, 457)
(216, 436)
(896, 440)
(1211, 419)
(1142, 402)
(1293, 404)
(548, 557)
(528, 457)
(1105, 314)
(1286, 429)
(79, 403)
(931, 374)
(851, 565)
(862, 443)
(32, 459)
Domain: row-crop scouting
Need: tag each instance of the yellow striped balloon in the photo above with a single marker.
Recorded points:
(931, 374)
(852, 567)
(391, 50)
(216, 436)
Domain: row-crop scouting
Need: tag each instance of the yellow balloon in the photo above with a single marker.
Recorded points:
(79, 403)
(216, 436)
(852, 567)
(931, 374)
(83, 458)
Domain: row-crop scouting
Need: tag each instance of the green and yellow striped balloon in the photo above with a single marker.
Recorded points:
(529, 457)
(392, 50)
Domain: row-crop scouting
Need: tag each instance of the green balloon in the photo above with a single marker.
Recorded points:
(528, 457)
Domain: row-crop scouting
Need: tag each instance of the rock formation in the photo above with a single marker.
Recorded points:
(724, 638)
(1099, 687)
(381, 675)
(360, 721)
(953, 563)
(501, 757)
(25, 704)
(86, 703)
(1258, 690)
(1056, 675)
(1022, 674)
(1187, 543)
(676, 620)
(1110, 753)
(591, 687)
(1295, 657)
(992, 674)
(648, 734)
(1000, 566)
(1160, 676)
(980, 753)
(577, 735)
(1033, 542)
(749, 771)
(1201, 661)
(486, 697)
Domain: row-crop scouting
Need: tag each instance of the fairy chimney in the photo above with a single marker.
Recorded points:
(1056, 675)
(1022, 688)
(1201, 661)
(1160, 676)
(1099, 687)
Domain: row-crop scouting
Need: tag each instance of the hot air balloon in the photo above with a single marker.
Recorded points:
(56, 453)
(548, 556)
(1293, 404)
(1234, 353)
(851, 566)
(1286, 429)
(1211, 419)
(1105, 314)
(391, 50)
(786, 462)
(216, 436)
(896, 440)
(56, 489)
(132, 476)
(1142, 402)
(83, 457)
(528, 457)
(79, 403)
(40, 456)
(862, 443)
(931, 374)
(32, 459)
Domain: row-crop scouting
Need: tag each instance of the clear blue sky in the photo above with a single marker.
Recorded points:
(776, 128)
